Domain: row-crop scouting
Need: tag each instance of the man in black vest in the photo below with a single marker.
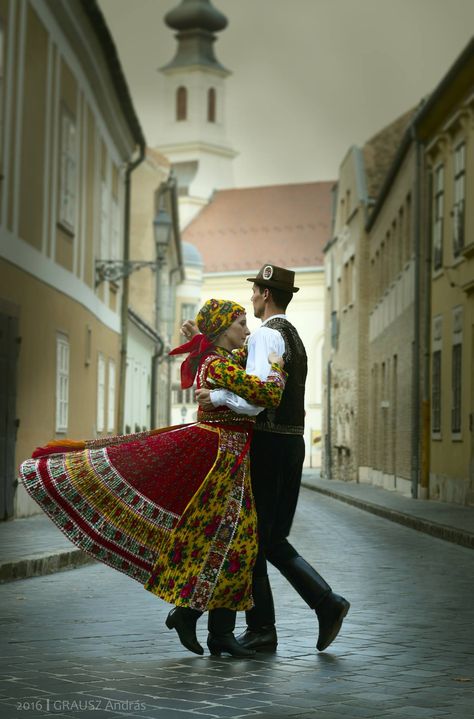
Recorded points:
(276, 461)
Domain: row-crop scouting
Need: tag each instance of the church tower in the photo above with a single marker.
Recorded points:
(194, 129)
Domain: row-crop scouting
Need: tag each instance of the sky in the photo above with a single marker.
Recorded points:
(310, 78)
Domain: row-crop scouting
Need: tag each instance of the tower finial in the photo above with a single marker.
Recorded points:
(196, 22)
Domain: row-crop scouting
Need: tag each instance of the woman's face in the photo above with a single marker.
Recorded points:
(237, 333)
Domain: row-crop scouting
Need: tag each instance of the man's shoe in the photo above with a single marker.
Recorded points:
(330, 612)
(261, 640)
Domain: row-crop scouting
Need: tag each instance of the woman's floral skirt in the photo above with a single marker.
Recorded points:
(173, 509)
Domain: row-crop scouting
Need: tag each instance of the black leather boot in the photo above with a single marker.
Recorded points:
(330, 608)
(221, 624)
(260, 633)
(184, 620)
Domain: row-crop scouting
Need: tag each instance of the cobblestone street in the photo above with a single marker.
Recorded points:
(90, 642)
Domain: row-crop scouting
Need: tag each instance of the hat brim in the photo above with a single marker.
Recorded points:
(270, 283)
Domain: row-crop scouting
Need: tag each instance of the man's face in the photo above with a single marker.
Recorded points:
(258, 301)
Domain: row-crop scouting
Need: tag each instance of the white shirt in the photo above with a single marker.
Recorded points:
(260, 344)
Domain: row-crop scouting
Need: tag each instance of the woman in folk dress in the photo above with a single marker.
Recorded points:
(172, 508)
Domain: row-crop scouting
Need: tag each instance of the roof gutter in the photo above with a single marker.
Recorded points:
(131, 166)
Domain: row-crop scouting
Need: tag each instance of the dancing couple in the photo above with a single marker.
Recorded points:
(174, 508)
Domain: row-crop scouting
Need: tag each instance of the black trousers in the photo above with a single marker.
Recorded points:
(276, 464)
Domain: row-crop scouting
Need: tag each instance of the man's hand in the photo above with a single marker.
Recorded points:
(203, 397)
(189, 329)
(273, 358)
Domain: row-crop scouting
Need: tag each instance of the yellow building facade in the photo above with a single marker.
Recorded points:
(68, 133)
(446, 129)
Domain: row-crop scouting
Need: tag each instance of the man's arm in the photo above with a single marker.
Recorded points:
(261, 343)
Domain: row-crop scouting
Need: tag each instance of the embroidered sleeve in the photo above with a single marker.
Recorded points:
(240, 356)
(229, 375)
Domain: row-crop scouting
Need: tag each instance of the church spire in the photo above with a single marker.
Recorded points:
(196, 22)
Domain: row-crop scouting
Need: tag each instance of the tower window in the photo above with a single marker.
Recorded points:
(211, 105)
(181, 103)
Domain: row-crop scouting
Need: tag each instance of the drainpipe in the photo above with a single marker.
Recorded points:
(159, 349)
(171, 323)
(426, 397)
(328, 423)
(126, 289)
(416, 379)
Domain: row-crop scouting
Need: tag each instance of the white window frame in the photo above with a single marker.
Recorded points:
(100, 392)
(105, 233)
(111, 396)
(459, 198)
(115, 230)
(437, 392)
(438, 215)
(457, 389)
(62, 382)
(68, 172)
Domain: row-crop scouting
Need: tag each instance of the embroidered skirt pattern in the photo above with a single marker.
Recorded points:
(172, 509)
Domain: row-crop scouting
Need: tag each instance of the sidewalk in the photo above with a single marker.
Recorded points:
(451, 522)
(34, 546)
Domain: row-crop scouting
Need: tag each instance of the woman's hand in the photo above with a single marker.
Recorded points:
(203, 398)
(273, 358)
(189, 329)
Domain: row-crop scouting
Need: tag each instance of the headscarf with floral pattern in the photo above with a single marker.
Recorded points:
(214, 317)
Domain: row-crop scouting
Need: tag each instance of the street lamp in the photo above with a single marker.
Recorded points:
(114, 270)
(162, 230)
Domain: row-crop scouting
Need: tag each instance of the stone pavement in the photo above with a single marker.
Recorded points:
(444, 520)
(34, 546)
(92, 643)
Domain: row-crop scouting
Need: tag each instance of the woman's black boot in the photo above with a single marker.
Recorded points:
(184, 620)
(221, 638)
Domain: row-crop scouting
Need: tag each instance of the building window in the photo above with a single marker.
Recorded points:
(115, 230)
(111, 398)
(68, 172)
(62, 383)
(182, 396)
(181, 104)
(334, 330)
(104, 239)
(408, 238)
(100, 392)
(459, 194)
(188, 311)
(456, 388)
(211, 105)
(438, 213)
(436, 393)
(401, 220)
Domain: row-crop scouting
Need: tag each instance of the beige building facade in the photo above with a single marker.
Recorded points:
(68, 133)
(390, 401)
(345, 348)
(417, 291)
(355, 313)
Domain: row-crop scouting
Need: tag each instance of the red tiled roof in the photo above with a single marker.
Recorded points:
(287, 225)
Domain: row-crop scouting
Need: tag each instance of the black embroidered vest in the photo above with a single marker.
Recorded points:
(288, 417)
